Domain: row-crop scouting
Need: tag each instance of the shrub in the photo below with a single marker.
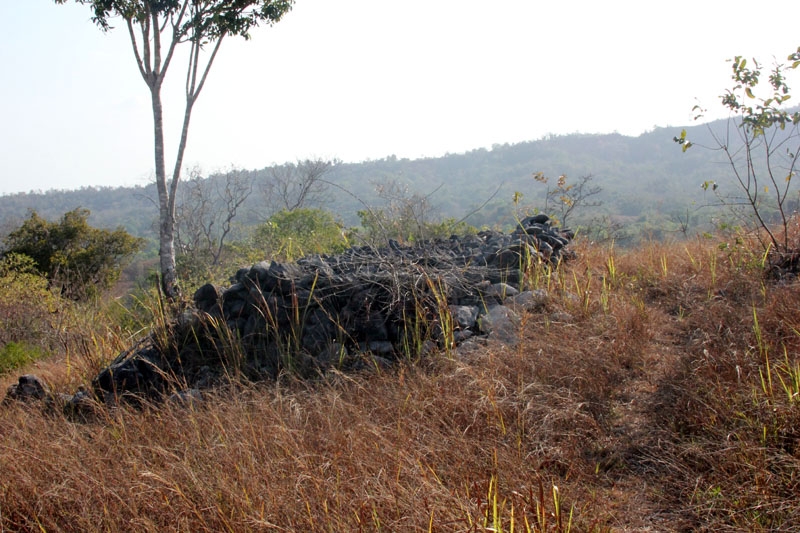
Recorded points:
(15, 355)
(76, 258)
(27, 307)
(293, 234)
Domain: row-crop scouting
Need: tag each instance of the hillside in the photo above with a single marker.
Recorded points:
(645, 179)
(657, 390)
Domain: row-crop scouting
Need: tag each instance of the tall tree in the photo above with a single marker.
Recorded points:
(156, 28)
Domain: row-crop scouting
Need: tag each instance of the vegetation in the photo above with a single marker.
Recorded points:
(204, 218)
(37, 322)
(406, 216)
(658, 390)
(75, 258)
(289, 235)
(297, 185)
(567, 197)
(27, 306)
(649, 189)
(13, 355)
(762, 149)
(162, 26)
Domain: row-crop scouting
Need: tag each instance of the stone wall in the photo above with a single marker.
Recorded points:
(363, 307)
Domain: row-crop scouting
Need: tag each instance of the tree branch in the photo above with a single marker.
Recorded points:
(208, 67)
(157, 71)
(176, 35)
(135, 46)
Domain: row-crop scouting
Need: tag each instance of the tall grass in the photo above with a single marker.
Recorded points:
(669, 402)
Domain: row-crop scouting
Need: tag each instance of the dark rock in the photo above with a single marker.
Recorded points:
(545, 249)
(284, 276)
(562, 316)
(325, 311)
(81, 406)
(382, 348)
(258, 272)
(501, 291)
(534, 300)
(541, 218)
(206, 298)
(464, 315)
(461, 335)
(240, 275)
(134, 374)
(554, 241)
(27, 389)
(333, 355)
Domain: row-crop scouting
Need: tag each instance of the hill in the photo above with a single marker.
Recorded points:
(647, 180)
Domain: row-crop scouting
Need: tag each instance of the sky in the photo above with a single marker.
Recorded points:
(365, 79)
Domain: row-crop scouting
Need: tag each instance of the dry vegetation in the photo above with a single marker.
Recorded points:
(668, 400)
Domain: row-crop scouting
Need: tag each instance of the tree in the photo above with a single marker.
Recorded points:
(568, 197)
(762, 147)
(162, 25)
(76, 258)
(205, 213)
(406, 216)
(298, 185)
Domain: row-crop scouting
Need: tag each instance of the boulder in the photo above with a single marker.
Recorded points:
(29, 388)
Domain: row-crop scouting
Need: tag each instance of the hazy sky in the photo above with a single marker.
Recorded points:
(363, 79)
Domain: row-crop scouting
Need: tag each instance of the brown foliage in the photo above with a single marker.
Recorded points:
(642, 393)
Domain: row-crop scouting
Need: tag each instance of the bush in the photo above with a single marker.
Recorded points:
(75, 258)
(27, 307)
(15, 355)
(380, 225)
(292, 234)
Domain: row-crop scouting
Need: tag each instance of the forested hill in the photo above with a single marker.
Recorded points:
(645, 180)
(638, 175)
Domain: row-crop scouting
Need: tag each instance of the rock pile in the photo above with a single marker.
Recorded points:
(366, 306)
(30, 388)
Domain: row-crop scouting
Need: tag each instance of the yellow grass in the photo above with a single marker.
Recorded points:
(649, 410)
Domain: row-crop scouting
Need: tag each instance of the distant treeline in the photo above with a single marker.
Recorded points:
(648, 186)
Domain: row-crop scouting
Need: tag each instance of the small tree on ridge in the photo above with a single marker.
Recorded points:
(762, 149)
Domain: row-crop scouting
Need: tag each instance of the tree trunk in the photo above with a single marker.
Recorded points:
(166, 204)
(168, 195)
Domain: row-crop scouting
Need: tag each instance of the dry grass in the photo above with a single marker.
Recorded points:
(666, 403)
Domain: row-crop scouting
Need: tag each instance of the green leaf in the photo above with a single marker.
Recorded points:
(749, 93)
